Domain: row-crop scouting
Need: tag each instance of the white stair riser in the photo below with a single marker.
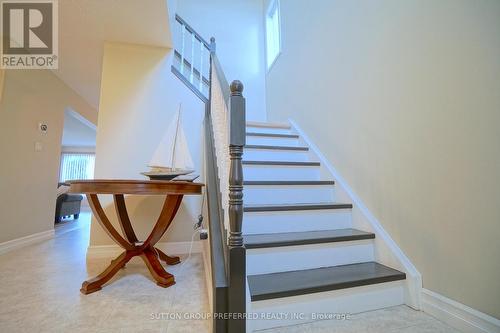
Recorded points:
(300, 257)
(296, 221)
(280, 172)
(272, 141)
(344, 301)
(272, 130)
(288, 194)
(275, 155)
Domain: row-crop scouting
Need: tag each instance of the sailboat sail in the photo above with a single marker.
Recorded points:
(173, 151)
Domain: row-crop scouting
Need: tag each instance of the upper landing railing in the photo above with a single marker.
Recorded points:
(197, 65)
(192, 58)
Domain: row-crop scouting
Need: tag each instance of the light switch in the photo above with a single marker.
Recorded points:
(43, 127)
(38, 146)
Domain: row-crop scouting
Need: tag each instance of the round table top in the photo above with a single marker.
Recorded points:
(132, 186)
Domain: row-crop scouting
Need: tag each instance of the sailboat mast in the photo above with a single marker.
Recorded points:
(176, 134)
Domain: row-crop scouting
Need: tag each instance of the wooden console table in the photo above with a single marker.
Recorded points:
(174, 191)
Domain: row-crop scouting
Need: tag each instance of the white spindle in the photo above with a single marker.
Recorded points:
(191, 76)
(200, 86)
(183, 31)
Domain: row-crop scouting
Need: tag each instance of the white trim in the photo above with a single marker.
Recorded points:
(458, 315)
(77, 149)
(273, 4)
(105, 251)
(267, 124)
(274, 61)
(413, 277)
(25, 241)
(72, 113)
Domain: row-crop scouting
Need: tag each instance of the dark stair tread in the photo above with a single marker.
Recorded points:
(276, 147)
(289, 182)
(285, 284)
(281, 163)
(273, 135)
(298, 206)
(304, 238)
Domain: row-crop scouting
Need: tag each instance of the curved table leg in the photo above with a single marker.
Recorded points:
(170, 208)
(121, 212)
(103, 220)
(96, 283)
(146, 251)
(162, 277)
(166, 258)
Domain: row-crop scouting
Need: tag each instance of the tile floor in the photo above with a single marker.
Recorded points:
(39, 292)
(391, 320)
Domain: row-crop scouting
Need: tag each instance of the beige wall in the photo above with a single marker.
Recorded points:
(139, 98)
(403, 98)
(2, 75)
(28, 179)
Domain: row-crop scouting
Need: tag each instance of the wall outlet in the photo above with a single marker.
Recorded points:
(38, 146)
(203, 234)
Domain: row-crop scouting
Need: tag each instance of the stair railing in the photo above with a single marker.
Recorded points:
(191, 58)
(225, 134)
(227, 111)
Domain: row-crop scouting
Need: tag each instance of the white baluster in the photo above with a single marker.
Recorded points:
(191, 78)
(183, 31)
(200, 86)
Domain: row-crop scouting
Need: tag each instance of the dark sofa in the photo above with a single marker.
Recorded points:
(67, 205)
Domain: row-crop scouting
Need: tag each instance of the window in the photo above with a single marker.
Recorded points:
(273, 36)
(77, 166)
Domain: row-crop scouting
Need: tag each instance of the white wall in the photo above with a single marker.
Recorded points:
(238, 30)
(28, 179)
(403, 97)
(139, 98)
(76, 133)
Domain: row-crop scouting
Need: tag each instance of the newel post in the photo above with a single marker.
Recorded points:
(237, 259)
(212, 45)
(237, 138)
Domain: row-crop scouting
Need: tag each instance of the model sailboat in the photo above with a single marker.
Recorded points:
(172, 157)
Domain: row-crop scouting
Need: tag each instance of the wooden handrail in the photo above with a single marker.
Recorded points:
(218, 246)
(236, 263)
(218, 70)
(228, 254)
(191, 30)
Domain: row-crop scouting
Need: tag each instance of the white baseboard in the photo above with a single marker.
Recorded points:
(458, 315)
(171, 248)
(25, 241)
(389, 249)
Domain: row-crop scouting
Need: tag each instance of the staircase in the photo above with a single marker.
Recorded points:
(303, 255)
(285, 252)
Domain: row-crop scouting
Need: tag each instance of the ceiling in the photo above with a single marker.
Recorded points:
(84, 26)
(77, 132)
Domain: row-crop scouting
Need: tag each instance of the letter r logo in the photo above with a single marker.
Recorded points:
(27, 27)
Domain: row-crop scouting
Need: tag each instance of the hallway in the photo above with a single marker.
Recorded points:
(39, 290)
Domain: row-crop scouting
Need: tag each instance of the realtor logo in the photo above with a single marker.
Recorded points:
(29, 30)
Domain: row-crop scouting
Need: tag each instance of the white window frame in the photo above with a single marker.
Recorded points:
(274, 7)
